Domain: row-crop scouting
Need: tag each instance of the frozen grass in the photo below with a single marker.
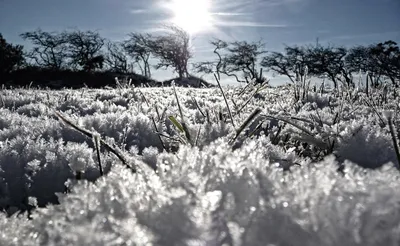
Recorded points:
(276, 168)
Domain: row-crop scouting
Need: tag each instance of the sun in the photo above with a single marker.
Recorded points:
(191, 15)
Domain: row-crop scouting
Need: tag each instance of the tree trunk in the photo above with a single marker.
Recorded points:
(181, 73)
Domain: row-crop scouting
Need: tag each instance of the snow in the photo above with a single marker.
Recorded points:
(282, 186)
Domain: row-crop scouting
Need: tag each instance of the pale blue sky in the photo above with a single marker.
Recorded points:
(276, 22)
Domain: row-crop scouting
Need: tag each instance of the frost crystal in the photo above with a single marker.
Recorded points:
(315, 172)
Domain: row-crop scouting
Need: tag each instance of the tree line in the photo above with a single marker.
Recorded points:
(87, 51)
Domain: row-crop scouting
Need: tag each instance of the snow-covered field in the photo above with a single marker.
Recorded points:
(298, 174)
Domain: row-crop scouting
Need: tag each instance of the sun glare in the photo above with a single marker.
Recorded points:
(192, 15)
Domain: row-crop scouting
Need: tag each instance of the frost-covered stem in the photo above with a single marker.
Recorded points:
(158, 113)
(322, 87)
(246, 103)
(198, 107)
(96, 142)
(179, 105)
(208, 117)
(244, 89)
(183, 125)
(87, 133)
(155, 127)
(197, 137)
(394, 139)
(256, 129)
(226, 101)
(275, 139)
(144, 98)
(367, 86)
(375, 111)
(245, 124)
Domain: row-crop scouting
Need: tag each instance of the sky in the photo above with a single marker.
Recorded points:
(275, 22)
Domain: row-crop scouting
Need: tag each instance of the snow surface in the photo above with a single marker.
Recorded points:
(209, 191)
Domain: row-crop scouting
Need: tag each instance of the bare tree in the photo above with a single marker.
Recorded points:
(243, 57)
(173, 50)
(292, 63)
(50, 49)
(357, 59)
(138, 47)
(84, 49)
(386, 57)
(299, 59)
(279, 63)
(11, 56)
(116, 58)
(236, 57)
(210, 67)
(379, 60)
(329, 61)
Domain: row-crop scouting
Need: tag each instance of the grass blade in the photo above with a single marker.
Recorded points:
(159, 137)
(394, 139)
(97, 146)
(198, 107)
(177, 101)
(246, 123)
(226, 101)
(291, 123)
(87, 133)
(182, 128)
(176, 123)
(197, 136)
(187, 133)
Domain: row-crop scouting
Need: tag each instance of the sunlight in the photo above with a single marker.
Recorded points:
(193, 16)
